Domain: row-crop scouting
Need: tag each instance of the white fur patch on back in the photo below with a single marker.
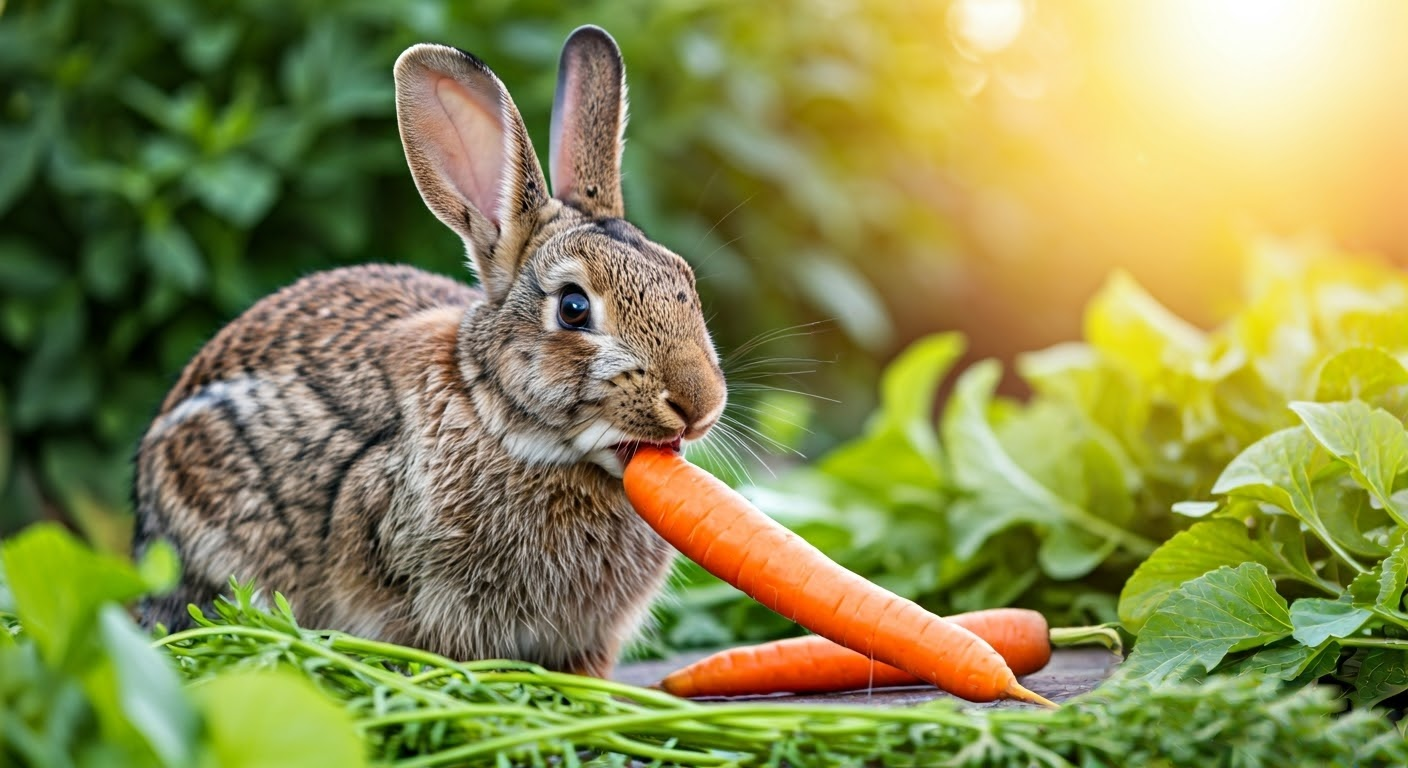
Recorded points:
(236, 391)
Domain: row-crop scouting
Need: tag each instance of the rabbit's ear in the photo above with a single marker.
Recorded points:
(588, 123)
(470, 156)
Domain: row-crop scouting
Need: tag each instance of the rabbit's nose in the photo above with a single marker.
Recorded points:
(697, 413)
(679, 410)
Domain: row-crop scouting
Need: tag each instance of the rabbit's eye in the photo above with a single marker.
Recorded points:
(573, 308)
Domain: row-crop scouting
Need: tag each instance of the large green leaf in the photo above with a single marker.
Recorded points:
(1360, 373)
(1079, 377)
(1371, 441)
(1349, 514)
(235, 187)
(908, 389)
(999, 493)
(901, 437)
(1275, 469)
(1229, 609)
(1127, 324)
(1316, 620)
(1205, 547)
(27, 271)
(1381, 589)
(272, 719)
(23, 147)
(1393, 576)
(1382, 672)
(1293, 662)
(148, 690)
(1069, 553)
(1278, 469)
(58, 586)
(173, 254)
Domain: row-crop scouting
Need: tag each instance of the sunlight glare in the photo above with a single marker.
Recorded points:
(986, 26)
(1241, 56)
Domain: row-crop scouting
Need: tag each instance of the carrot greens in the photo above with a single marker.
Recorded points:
(248, 686)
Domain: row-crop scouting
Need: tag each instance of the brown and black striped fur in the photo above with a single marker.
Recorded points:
(411, 459)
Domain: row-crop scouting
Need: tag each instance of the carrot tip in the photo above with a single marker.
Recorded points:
(1016, 691)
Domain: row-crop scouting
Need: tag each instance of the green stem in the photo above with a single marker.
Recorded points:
(445, 706)
(608, 687)
(1373, 642)
(656, 719)
(431, 674)
(344, 642)
(628, 698)
(473, 711)
(1337, 549)
(1392, 617)
(391, 679)
(1103, 635)
(506, 671)
(609, 740)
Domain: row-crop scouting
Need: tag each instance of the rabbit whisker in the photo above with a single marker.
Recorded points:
(760, 438)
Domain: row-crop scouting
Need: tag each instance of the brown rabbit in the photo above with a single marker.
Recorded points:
(417, 461)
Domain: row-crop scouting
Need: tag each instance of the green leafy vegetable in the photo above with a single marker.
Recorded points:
(1076, 500)
(1227, 610)
(1330, 487)
(148, 690)
(1381, 672)
(1203, 548)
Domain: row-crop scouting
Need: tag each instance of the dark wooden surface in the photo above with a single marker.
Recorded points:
(1072, 671)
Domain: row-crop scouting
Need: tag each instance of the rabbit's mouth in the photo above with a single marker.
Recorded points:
(625, 450)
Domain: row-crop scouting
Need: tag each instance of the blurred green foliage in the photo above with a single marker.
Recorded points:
(167, 163)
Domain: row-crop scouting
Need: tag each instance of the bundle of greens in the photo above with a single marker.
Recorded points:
(248, 686)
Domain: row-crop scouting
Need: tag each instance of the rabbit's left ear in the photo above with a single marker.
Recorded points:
(471, 158)
(588, 124)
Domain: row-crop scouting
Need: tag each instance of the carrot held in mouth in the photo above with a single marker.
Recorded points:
(813, 664)
(716, 527)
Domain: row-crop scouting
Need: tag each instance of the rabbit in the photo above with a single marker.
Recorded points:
(417, 461)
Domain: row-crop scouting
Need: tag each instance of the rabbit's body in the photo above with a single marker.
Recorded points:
(410, 459)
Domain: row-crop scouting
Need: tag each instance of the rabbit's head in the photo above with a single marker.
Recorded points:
(590, 339)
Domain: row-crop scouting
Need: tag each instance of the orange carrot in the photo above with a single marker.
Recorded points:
(813, 664)
(716, 527)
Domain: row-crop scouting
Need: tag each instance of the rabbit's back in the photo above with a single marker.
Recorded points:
(324, 330)
(279, 449)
